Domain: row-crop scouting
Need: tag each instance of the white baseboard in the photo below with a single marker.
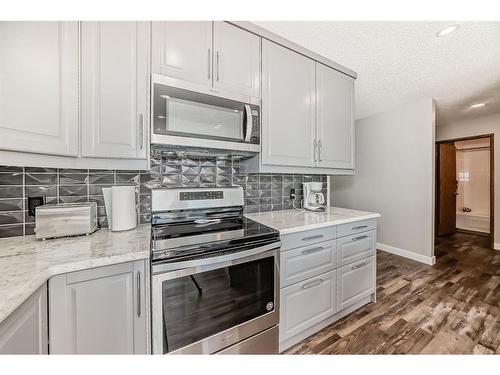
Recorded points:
(496, 246)
(407, 254)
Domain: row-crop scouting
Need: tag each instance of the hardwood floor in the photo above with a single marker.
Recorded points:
(452, 307)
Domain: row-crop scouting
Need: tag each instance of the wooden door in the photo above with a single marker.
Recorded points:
(288, 107)
(39, 87)
(236, 61)
(447, 189)
(114, 91)
(335, 118)
(183, 50)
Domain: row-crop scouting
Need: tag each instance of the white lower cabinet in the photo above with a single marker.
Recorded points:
(355, 282)
(100, 311)
(306, 303)
(25, 330)
(323, 278)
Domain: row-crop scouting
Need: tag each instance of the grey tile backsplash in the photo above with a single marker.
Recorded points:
(263, 192)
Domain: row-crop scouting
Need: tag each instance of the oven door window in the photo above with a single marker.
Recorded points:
(203, 304)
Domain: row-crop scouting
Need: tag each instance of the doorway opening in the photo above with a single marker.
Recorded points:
(465, 186)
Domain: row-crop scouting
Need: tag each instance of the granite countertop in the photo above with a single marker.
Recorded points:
(26, 263)
(291, 221)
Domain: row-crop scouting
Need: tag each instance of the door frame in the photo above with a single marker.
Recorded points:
(491, 136)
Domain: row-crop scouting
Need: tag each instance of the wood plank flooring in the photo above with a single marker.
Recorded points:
(452, 307)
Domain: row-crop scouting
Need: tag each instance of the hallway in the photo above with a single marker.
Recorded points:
(450, 308)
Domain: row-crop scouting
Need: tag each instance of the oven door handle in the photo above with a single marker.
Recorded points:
(249, 123)
(167, 271)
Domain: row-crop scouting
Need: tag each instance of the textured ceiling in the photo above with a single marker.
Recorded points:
(397, 62)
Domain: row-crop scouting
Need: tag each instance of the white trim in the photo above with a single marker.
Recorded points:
(496, 246)
(407, 254)
(26, 159)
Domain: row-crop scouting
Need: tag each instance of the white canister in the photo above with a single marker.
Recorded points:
(123, 211)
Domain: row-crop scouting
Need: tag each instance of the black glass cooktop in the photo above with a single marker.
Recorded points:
(209, 234)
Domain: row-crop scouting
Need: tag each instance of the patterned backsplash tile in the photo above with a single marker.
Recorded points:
(263, 192)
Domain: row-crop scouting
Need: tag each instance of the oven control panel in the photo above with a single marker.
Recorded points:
(201, 195)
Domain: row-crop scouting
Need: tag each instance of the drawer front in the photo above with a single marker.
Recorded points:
(308, 237)
(307, 303)
(308, 261)
(355, 247)
(357, 227)
(355, 282)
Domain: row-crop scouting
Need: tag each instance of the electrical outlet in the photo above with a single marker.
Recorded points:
(34, 202)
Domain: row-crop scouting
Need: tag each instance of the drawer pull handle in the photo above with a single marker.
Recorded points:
(359, 237)
(312, 237)
(313, 250)
(312, 283)
(359, 265)
(360, 227)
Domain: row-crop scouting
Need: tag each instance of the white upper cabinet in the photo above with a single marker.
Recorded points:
(114, 89)
(183, 50)
(39, 87)
(236, 60)
(335, 118)
(288, 107)
(211, 57)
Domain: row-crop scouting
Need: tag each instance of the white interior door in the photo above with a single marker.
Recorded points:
(236, 60)
(288, 102)
(335, 118)
(39, 87)
(183, 50)
(114, 93)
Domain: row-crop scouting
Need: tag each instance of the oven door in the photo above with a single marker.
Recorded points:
(203, 306)
(187, 118)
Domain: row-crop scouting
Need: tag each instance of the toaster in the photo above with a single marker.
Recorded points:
(65, 219)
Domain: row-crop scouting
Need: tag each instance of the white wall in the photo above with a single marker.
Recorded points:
(479, 126)
(395, 177)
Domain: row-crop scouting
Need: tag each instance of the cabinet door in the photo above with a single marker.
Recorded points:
(25, 330)
(39, 87)
(335, 118)
(287, 107)
(183, 50)
(236, 60)
(99, 311)
(304, 304)
(114, 89)
(355, 282)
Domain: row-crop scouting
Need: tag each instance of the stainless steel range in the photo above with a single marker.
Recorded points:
(215, 274)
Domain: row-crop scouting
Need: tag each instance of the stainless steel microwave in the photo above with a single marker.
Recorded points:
(183, 117)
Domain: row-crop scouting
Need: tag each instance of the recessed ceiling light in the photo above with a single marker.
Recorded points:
(447, 30)
(478, 105)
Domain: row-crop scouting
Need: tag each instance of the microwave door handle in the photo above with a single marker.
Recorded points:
(249, 123)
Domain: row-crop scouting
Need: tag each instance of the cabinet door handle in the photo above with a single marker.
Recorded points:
(141, 131)
(138, 293)
(359, 265)
(218, 65)
(359, 237)
(315, 145)
(209, 63)
(320, 146)
(360, 227)
(312, 283)
(312, 237)
(313, 250)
